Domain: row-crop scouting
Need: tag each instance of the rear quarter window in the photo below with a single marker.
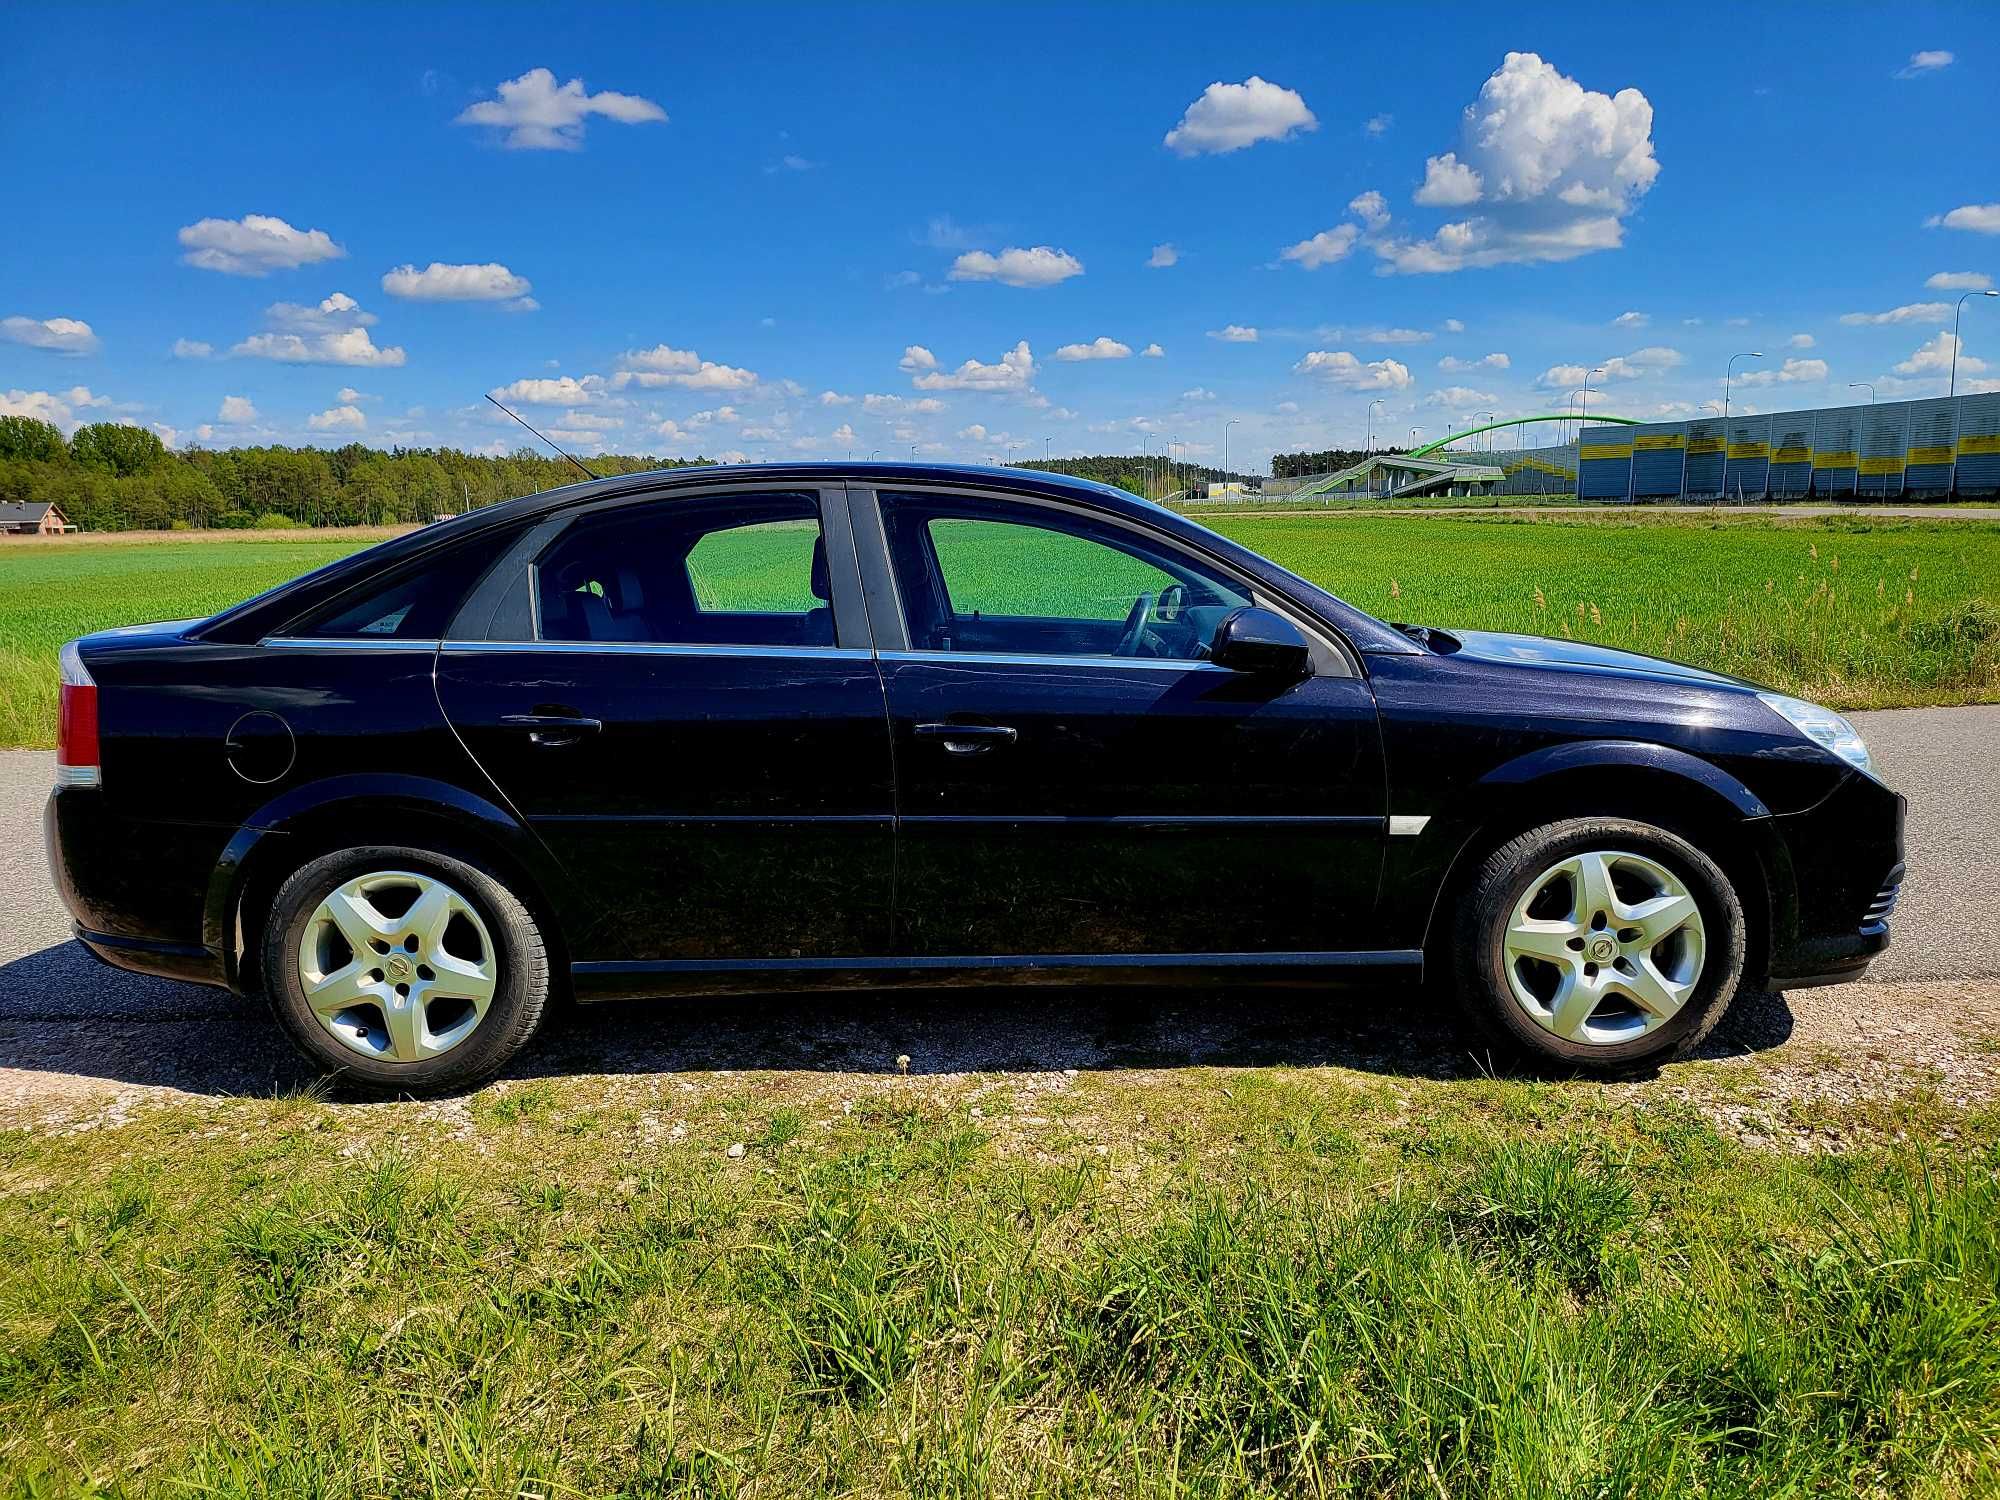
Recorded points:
(414, 602)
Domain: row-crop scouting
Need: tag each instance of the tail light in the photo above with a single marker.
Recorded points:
(76, 723)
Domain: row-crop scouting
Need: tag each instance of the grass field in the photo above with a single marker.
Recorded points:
(1210, 1281)
(1857, 613)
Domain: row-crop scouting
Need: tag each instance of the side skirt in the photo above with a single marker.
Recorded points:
(693, 977)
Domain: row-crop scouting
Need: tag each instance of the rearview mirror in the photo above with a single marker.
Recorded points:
(1257, 640)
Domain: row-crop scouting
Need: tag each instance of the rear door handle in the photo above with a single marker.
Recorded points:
(553, 730)
(969, 739)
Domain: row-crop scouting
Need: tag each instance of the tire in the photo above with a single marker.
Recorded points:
(402, 1026)
(1531, 893)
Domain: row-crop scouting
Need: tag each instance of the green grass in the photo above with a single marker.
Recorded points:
(1289, 1282)
(1857, 613)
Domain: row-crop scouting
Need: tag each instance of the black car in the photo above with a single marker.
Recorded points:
(814, 726)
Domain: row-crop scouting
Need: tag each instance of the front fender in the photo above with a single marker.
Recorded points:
(1596, 755)
(373, 804)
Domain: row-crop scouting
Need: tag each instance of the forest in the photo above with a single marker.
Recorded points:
(111, 476)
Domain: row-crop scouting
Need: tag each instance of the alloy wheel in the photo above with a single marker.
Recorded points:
(397, 966)
(1604, 946)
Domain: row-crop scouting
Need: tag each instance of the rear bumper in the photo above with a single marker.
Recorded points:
(185, 961)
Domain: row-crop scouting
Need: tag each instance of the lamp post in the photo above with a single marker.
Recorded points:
(1483, 417)
(1728, 371)
(871, 454)
(1225, 446)
(1371, 425)
(1045, 452)
(1956, 313)
(1863, 385)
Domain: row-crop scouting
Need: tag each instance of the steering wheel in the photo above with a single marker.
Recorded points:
(1135, 626)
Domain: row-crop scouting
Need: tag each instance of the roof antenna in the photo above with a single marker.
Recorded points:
(559, 452)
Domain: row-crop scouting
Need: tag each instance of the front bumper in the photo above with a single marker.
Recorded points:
(1846, 858)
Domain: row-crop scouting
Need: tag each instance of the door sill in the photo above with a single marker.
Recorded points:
(690, 977)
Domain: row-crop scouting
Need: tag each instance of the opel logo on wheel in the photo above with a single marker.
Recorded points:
(398, 966)
(1603, 950)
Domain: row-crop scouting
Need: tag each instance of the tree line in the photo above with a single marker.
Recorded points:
(111, 476)
(1326, 461)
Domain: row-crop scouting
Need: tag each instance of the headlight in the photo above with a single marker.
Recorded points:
(1823, 727)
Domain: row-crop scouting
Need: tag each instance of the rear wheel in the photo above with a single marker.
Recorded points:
(1599, 943)
(404, 970)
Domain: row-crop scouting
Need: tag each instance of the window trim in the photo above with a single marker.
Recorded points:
(1332, 655)
(504, 611)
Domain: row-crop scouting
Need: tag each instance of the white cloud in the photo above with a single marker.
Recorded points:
(1980, 218)
(1324, 248)
(1152, 351)
(1556, 168)
(564, 390)
(663, 365)
(338, 419)
(1452, 325)
(56, 335)
(439, 282)
(236, 411)
(1013, 372)
(1199, 393)
(1230, 116)
(351, 347)
(192, 349)
(347, 395)
(1395, 335)
(917, 357)
(1097, 348)
(1493, 361)
(901, 405)
(1039, 267)
(537, 115)
(1461, 398)
(1634, 366)
(1163, 256)
(1371, 208)
(1910, 312)
(1959, 281)
(1934, 358)
(1379, 124)
(1631, 320)
(1791, 372)
(1235, 333)
(843, 436)
(1449, 183)
(1801, 341)
(255, 245)
(328, 315)
(1921, 63)
(1344, 370)
(58, 407)
(834, 398)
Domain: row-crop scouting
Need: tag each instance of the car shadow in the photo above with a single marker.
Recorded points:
(63, 1013)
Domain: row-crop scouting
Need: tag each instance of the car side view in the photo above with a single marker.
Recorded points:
(815, 726)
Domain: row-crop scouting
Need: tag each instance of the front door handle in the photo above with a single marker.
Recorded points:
(969, 739)
(553, 730)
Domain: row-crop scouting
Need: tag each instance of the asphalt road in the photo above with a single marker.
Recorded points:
(63, 1013)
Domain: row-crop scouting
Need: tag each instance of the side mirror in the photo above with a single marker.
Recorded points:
(1257, 640)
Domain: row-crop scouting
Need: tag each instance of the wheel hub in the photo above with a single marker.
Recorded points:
(398, 966)
(1604, 946)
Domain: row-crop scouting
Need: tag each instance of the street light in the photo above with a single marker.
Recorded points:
(1485, 416)
(1862, 385)
(1045, 451)
(1956, 313)
(1729, 370)
(871, 454)
(1225, 446)
(1371, 425)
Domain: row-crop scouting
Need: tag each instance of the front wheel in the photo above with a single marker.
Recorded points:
(404, 970)
(1600, 944)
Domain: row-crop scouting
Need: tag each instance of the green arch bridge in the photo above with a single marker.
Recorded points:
(1516, 422)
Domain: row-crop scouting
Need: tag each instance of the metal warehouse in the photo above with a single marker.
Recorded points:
(1897, 450)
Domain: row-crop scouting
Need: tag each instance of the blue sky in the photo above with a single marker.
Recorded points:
(805, 231)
